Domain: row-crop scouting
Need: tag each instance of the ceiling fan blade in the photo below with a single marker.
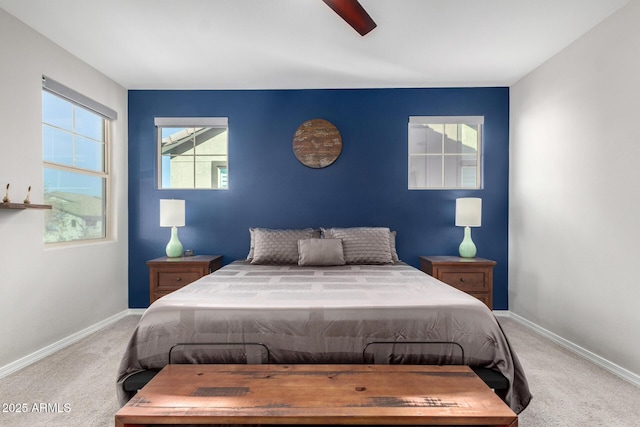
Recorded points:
(353, 12)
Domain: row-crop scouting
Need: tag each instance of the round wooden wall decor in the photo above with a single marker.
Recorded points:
(317, 143)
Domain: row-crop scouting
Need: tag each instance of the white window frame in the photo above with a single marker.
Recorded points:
(424, 121)
(190, 122)
(108, 115)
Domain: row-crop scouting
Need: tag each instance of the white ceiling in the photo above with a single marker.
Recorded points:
(280, 44)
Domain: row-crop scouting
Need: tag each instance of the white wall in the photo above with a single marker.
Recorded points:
(49, 294)
(574, 228)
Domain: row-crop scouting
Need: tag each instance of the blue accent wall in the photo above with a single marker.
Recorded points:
(269, 187)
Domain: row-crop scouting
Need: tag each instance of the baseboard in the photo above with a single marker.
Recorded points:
(575, 348)
(59, 345)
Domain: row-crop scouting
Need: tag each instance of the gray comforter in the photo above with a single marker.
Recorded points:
(322, 315)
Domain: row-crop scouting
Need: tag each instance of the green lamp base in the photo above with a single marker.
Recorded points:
(467, 248)
(174, 247)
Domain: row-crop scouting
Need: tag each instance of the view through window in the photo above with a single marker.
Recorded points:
(193, 153)
(445, 152)
(74, 147)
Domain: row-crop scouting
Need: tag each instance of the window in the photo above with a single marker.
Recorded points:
(75, 147)
(445, 152)
(192, 152)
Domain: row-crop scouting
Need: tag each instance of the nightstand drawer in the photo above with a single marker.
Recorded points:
(471, 275)
(471, 281)
(170, 274)
(177, 279)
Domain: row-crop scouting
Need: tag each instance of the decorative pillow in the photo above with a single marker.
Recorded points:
(278, 246)
(252, 234)
(363, 245)
(320, 252)
(392, 247)
(252, 244)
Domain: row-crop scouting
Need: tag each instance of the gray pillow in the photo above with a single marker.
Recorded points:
(363, 245)
(252, 234)
(392, 247)
(320, 252)
(278, 246)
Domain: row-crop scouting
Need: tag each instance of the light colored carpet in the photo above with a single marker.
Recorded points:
(81, 376)
(567, 390)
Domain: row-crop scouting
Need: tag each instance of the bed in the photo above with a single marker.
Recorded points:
(336, 312)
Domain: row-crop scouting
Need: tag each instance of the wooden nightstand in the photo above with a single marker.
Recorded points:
(471, 275)
(169, 274)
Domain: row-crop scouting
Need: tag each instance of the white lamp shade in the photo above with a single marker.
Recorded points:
(171, 213)
(469, 212)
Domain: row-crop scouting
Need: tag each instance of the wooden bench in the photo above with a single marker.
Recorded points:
(316, 394)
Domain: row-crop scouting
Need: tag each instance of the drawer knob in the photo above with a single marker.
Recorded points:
(462, 279)
(179, 279)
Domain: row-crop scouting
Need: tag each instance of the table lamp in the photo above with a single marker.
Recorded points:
(468, 214)
(172, 215)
